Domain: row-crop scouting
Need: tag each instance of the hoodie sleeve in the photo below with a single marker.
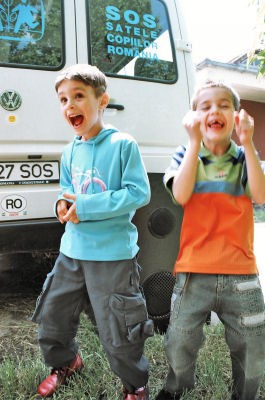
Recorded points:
(133, 193)
(65, 179)
(65, 176)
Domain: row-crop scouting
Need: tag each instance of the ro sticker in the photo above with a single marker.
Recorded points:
(13, 203)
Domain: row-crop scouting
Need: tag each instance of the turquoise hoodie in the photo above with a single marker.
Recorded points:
(109, 178)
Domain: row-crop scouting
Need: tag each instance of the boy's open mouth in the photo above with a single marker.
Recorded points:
(216, 124)
(76, 120)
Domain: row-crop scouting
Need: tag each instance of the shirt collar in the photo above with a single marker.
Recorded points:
(233, 150)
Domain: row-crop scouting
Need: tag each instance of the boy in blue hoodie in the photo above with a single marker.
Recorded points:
(103, 181)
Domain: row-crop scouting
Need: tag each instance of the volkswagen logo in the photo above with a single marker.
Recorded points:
(10, 100)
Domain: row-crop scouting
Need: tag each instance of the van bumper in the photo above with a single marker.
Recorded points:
(42, 235)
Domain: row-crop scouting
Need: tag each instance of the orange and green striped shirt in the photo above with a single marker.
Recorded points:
(217, 234)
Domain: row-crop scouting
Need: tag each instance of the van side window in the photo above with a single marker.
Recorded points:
(31, 34)
(132, 39)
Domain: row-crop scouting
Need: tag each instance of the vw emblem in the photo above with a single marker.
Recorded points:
(10, 100)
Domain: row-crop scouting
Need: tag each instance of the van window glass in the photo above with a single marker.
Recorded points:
(31, 33)
(132, 39)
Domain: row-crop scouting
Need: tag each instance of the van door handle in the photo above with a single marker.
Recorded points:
(118, 107)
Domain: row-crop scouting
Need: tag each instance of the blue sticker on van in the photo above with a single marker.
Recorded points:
(22, 20)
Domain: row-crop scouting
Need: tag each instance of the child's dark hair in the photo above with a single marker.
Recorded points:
(215, 84)
(88, 74)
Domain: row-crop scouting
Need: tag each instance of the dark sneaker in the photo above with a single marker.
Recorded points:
(59, 376)
(164, 395)
(139, 394)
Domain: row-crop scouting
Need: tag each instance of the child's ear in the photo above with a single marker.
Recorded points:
(104, 101)
(236, 115)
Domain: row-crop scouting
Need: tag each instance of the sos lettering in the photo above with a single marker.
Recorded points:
(131, 19)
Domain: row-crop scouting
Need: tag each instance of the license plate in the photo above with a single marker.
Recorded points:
(28, 172)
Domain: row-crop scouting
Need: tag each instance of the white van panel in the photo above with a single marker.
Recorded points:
(152, 111)
(36, 131)
(38, 120)
(149, 95)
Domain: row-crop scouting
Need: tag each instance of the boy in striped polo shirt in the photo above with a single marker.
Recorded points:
(216, 181)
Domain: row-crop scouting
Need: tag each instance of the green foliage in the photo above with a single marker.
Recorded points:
(259, 212)
(257, 54)
(110, 63)
(260, 58)
(46, 52)
(122, 61)
(116, 43)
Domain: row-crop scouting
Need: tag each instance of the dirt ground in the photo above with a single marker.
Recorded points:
(19, 289)
(17, 332)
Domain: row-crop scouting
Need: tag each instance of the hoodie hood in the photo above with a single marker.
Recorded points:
(94, 142)
(106, 131)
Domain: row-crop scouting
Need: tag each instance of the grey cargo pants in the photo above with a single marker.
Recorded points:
(119, 308)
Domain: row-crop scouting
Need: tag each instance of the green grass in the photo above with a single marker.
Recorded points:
(22, 369)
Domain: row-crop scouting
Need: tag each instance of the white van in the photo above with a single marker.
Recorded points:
(143, 49)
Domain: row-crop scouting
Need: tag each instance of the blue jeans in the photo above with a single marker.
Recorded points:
(239, 304)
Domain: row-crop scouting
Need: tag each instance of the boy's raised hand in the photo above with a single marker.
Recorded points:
(244, 126)
(70, 215)
(192, 124)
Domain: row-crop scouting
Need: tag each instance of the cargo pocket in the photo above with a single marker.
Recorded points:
(36, 317)
(129, 320)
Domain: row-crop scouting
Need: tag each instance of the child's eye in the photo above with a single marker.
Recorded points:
(204, 108)
(63, 100)
(79, 95)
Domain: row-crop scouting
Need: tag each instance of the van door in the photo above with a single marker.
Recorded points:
(139, 45)
(34, 45)
(135, 44)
